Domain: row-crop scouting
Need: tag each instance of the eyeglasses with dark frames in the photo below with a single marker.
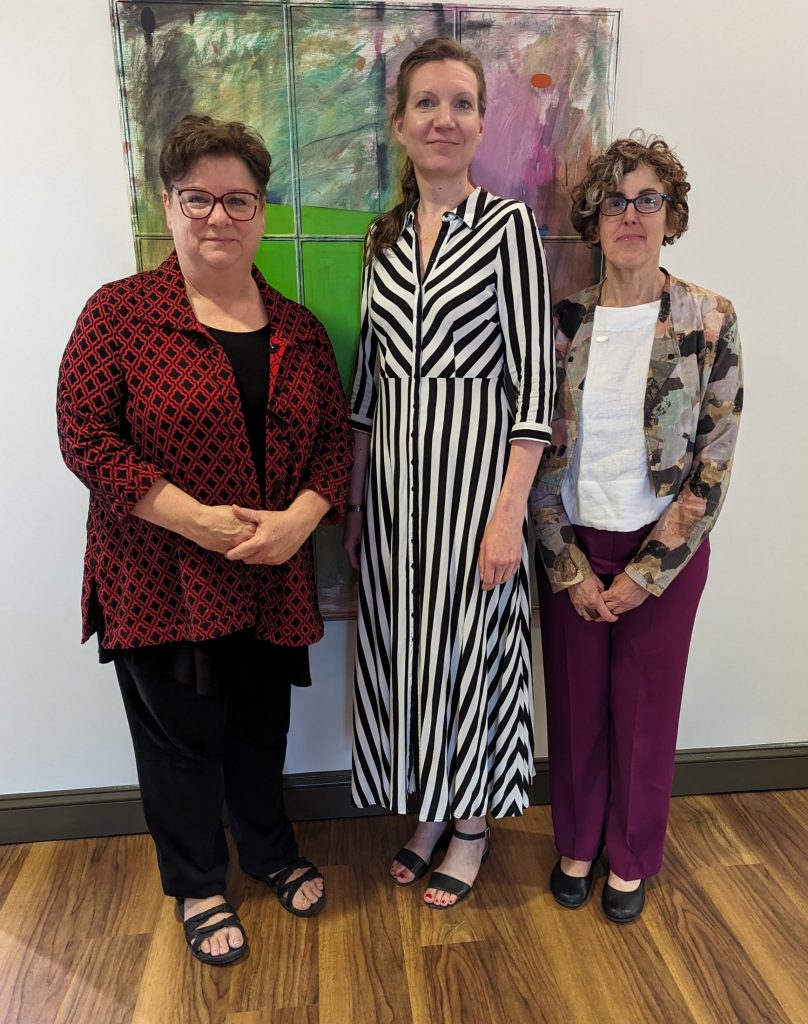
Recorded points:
(648, 202)
(198, 204)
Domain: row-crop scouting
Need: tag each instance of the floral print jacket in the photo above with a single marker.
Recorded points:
(693, 403)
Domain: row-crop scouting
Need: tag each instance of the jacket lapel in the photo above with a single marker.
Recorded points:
(665, 348)
(578, 352)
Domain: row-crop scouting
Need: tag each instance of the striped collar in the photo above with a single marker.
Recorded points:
(468, 212)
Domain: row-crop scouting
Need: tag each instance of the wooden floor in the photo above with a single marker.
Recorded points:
(86, 936)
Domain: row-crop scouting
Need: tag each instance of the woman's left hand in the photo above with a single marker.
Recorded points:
(500, 550)
(624, 594)
(278, 535)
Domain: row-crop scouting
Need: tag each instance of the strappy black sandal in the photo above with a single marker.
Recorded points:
(285, 890)
(452, 885)
(417, 865)
(196, 931)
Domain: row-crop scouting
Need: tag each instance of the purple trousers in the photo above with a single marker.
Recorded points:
(614, 691)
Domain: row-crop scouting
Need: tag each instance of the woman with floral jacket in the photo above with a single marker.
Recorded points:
(648, 401)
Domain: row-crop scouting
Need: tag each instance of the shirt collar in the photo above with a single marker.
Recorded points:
(165, 299)
(467, 213)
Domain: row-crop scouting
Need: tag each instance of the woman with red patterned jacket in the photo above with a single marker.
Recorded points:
(205, 414)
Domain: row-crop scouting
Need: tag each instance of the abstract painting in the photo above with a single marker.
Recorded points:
(316, 81)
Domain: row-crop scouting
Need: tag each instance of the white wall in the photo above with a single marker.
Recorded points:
(723, 81)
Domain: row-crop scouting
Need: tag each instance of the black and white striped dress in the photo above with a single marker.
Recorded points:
(451, 368)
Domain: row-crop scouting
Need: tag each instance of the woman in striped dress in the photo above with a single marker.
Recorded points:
(451, 411)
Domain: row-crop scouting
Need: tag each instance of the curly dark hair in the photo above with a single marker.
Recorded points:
(198, 135)
(603, 174)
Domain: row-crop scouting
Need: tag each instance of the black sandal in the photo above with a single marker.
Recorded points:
(452, 885)
(417, 865)
(285, 890)
(196, 931)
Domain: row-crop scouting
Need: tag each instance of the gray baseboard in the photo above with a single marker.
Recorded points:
(311, 796)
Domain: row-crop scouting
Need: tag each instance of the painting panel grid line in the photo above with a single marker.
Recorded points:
(293, 146)
(335, 166)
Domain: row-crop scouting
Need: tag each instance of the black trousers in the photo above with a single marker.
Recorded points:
(195, 752)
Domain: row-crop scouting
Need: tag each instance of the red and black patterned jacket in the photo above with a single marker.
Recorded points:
(145, 392)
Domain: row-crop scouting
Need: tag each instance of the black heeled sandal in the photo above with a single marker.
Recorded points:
(417, 865)
(452, 885)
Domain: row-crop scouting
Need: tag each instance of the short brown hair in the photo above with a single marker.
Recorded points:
(603, 174)
(198, 135)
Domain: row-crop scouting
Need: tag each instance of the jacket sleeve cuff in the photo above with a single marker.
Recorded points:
(530, 432)
(361, 423)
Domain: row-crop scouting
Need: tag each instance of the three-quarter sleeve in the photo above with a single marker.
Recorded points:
(523, 294)
(363, 395)
(90, 412)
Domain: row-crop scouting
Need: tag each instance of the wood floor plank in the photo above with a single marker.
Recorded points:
(360, 952)
(514, 913)
(177, 989)
(296, 1015)
(794, 801)
(778, 837)
(517, 841)
(86, 936)
(283, 967)
(12, 859)
(458, 989)
(703, 837)
(709, 963)
(64, 896)
(774, 927)
(422, 927)
(284, 1015)
(576, 960)
(105, 981)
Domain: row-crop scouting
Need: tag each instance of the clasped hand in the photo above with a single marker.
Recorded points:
(276, 536)
(250, 535)
(593, 602)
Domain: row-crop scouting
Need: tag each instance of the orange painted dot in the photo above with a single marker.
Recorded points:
(541, 81)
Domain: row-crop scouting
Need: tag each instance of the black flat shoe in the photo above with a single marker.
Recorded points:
(622, 907)
(572, 893)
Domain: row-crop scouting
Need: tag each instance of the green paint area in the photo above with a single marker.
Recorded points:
(332, 274)
(278, 263)
(152, 251)
(324, 220)
(224, 59)
(279, 220)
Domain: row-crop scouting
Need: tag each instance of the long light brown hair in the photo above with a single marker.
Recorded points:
(384, 231)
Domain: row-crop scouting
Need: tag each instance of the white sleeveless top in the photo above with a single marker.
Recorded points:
(608, 485)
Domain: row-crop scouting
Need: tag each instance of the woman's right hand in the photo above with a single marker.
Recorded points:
(352, 537)
(587, 600)
(216, 528)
